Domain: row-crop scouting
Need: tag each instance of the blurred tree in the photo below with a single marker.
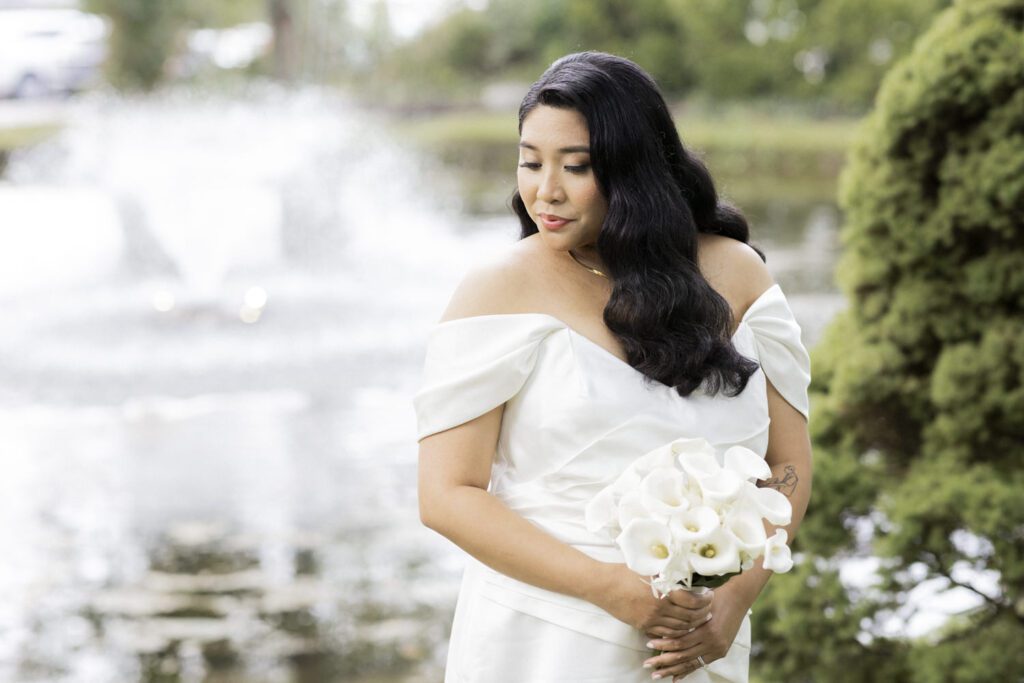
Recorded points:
(823, 51)
(830, 50)
(144, 35)
(918, 387)
(845, 46)
(521, 37)
(224, 13)
(285, 50)
(725, 62)
(379, 38)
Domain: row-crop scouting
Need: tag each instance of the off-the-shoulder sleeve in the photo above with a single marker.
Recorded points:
(475, 364)
(782, 355)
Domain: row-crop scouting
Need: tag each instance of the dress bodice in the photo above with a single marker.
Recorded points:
(576, 415)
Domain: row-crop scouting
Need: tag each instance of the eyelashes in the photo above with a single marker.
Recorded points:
(580, 169)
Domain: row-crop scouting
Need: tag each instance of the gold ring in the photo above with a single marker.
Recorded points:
(701, 660)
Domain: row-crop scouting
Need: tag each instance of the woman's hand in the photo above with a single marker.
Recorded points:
(679, 654)
(630, 600)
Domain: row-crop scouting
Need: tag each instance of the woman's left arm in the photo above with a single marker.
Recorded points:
(789, 457)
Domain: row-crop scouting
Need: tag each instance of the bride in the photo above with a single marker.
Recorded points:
(631, 312)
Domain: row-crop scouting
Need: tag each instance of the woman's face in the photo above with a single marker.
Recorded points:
(556, 180)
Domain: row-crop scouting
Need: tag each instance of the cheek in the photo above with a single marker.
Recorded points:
(524, 184)
(527, 189)
(594, 201)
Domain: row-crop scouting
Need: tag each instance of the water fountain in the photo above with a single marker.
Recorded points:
(207, 354)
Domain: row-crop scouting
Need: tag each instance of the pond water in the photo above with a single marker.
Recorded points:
(215, 310)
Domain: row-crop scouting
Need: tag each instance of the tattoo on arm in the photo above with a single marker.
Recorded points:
(786, 483)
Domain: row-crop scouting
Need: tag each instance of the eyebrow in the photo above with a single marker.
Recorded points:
(563, 150)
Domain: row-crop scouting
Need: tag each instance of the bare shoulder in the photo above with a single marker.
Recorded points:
(734, 269)
(501, 284)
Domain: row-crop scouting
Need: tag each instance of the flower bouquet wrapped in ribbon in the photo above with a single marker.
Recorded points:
(687, 519)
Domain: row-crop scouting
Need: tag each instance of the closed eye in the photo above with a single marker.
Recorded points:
(582, 168)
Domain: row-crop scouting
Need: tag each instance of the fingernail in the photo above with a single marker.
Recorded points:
(648, 665)
(655, 675)
(650, 644)
(709, 617)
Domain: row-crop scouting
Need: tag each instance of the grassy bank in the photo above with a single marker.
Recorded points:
(23, 135)
(733, 132)
(751, 155)
(13, 136)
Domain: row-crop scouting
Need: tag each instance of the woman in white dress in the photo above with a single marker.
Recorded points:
(631, 312)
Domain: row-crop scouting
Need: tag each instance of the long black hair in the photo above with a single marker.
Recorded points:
(674, 327)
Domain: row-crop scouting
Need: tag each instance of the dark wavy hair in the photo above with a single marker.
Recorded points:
(674, 327)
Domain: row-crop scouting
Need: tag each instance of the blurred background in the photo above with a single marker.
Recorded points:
(227, 226)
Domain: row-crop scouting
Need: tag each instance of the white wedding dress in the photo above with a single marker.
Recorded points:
(575, 416)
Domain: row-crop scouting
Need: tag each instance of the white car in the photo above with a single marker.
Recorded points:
(49, 51)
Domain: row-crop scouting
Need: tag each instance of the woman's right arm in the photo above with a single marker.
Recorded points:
(454, 471)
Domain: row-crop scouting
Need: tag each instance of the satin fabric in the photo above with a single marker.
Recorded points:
(575, 416)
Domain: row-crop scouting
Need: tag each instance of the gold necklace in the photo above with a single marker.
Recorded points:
(592, 270)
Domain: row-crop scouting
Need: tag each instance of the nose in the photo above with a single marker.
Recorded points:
(550, 188)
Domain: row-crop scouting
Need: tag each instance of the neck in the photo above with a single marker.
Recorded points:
(588, 255)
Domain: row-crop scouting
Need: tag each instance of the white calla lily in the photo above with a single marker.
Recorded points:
(699, 465)
(722, 487)
(663, 492)
(662, 456)
(694, 524)
(631, 506)
(695, 456)
(773, 505)
(716, 555)
(746, 463)
(600, 511)
(746, 560)
(777, 555)
(747, 529)
(684, 446)
(646, 546)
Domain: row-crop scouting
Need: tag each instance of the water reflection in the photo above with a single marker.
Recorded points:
(208, 446)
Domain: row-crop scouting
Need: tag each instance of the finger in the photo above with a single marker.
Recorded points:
(690, 600)
(679, 633)
(678, 673)
(682, 643)
(698, 617)
(684, 669)
(681, 618)
(675, 662)
(664, 632)
(671, 622)
(689, 616)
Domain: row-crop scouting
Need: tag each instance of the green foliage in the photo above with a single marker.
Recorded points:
(981, 652)
(831, 52)
(806, 631)
(513, 36)
(144, 36)
(224, 13)
(919, 385)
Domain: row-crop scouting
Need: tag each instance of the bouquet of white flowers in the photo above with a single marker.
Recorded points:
(682, 518)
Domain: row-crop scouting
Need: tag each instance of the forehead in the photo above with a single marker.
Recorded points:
(552, 127)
